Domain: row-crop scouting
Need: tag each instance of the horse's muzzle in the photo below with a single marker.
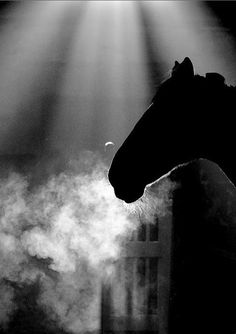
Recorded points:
(128, 194)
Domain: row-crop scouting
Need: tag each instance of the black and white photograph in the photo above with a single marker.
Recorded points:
(117, 167)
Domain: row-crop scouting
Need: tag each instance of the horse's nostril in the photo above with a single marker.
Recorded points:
(129, 194)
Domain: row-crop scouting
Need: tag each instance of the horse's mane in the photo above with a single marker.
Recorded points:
(184, 72)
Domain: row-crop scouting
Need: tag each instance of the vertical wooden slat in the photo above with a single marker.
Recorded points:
(129, 285)
(147, 233)
(135, 287)
(141, 284)
(153, 286)
(105, 307)
(154, 229)
(142, 232)
(165, 236)
(123, 279)
(147, 273)
(134, 236)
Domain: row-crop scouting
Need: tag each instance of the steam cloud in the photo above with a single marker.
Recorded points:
(63, 236)
(156, 200)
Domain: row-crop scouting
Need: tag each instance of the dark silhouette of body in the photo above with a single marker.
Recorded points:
(190, 117)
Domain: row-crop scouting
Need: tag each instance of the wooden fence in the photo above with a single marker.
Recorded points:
(136, 300)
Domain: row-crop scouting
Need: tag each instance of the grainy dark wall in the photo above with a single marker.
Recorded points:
(203, 289)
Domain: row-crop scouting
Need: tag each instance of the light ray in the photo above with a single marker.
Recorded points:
(182, 28)
(30, 45)
(105, 88)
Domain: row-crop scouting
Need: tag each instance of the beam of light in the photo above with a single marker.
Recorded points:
(182, 28)
(105, 89)
(63, 233)
(30, 45)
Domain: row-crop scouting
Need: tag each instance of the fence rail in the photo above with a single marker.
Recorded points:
(138, 296)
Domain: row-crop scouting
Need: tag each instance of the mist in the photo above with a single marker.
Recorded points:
(64, 235)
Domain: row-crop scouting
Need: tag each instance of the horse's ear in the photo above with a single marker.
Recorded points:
(183, 70)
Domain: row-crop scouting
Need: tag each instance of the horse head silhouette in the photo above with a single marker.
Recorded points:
(191, 117)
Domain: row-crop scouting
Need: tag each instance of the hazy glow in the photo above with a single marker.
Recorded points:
(28, 44)
(183, 28)
(79, 74)
(105, 86)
